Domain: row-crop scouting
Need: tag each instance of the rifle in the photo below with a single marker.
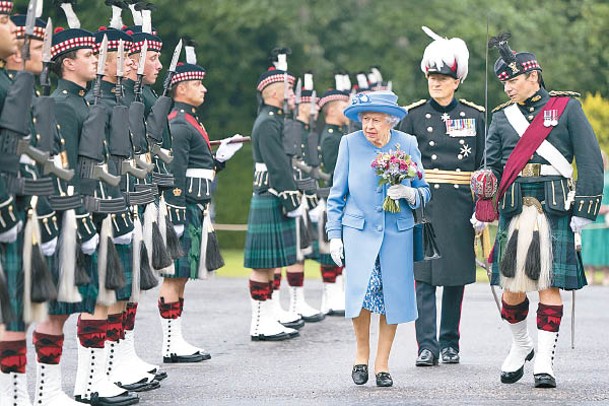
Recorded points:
(45, 81)
(233, 141)
(140, 72)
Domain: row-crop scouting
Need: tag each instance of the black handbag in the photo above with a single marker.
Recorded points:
(425, 245)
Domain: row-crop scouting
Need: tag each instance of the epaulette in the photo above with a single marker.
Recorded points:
(557, 93)
(501, 106)
(472, 104)
(415, 104)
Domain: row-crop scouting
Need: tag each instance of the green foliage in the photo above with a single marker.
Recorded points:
(597, 111)
(235, 37)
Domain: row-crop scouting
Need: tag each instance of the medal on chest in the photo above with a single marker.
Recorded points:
(462, 127)
(550, 118)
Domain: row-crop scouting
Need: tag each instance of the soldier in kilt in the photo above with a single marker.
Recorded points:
(26, 273)
(332, 104)
(540, 212)
(194, 167)
(450, 134)
(271, 233)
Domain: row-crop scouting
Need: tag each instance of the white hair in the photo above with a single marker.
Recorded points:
(389, 118)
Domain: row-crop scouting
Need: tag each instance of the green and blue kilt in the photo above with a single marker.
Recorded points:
(88, 291)
(567, 268)
(12, 264)
(270, 241)
(125, 253)
(314, 244)
(188, 265)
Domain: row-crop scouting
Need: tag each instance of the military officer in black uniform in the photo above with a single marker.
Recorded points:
(450, 133)
(540, 212)
(194, 167)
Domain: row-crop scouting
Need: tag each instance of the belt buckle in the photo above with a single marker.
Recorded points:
(531, 170)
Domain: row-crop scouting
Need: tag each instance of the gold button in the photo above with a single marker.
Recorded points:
(81, 93)
(531, 109)
(331, 130)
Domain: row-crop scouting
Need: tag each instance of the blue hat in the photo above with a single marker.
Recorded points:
(39, 28)
(377, 102)
(511, 64)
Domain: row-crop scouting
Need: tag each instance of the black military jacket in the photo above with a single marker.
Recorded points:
(267, 148)
(572, 136)
(330, 141)
(8, 216)
(191, 150)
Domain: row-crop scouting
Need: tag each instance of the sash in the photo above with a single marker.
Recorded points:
(193, 122)
(532, 138)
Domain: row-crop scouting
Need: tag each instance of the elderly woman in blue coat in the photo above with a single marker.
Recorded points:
(377, 246)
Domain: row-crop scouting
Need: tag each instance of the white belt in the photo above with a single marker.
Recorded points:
(260, 167)
(208, 174)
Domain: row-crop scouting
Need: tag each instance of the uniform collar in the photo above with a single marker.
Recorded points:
(129, 84)
(540, 97)
(11, 74)
(68, 87)
(443, 109)
(185, 108)
(335, 127)
(272, 110)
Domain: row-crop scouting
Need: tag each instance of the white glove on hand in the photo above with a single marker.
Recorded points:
(10, 236)
(48, 248)
(478, 225)
(401, 191)
(226, 151)
(179, 229)
(88, 247)
(316, 213)
(124, 239)
(299, 211)
(336, 251)
(578, 223)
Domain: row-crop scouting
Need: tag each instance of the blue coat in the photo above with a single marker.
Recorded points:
(355, 214)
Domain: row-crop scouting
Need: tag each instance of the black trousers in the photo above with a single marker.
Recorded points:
(426, 325)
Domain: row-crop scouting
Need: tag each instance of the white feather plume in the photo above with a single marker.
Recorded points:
(147, 21)
(282, 62)
(338, 81)
(346, 83)
(378, 78)
(117, 18)
(137, 15)
(191, 55)
(73, 21)
(308, 81)
(446, 52)
(362, 81)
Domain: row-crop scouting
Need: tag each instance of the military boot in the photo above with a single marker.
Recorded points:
(521, 351)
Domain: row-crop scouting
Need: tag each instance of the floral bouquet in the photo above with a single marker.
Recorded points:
(393, 167)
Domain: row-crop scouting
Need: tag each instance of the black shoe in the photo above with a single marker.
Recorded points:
(142, 386)
(315, 318)
(158, 375)
(384, 380)
(544, 381)
(340, 313)
(298, 324)
(513, 377)
(426, 359)
(359, 374)
(174, 358)
(450, 355)
(125, 399)
(276, 337)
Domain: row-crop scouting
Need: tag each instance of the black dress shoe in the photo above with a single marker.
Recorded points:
(297, 324)
(174, 358)
(359, 374)
(384, 380)
(450, 355)
(544, 381)
(142, 386)
(426, 359)
(158, 375)
(514, 376)
(125, 399)
(314, 318)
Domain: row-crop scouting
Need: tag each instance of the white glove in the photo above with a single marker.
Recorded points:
(478, 225)
(401, 191)
(179, 229)
(124, 239)
(299, 211)
(336, 251)
(48, 248)
(10, 236)
(88, 247)
(316, 213)
(226, 151)
(578, 223)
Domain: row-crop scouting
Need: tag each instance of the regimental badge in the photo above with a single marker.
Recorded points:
(463, 127)
(445, 117)
(550, 118)
(513, 67)
(177, 192)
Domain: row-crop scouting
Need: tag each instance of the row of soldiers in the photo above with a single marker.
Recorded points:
(104, 188)
(294, 163)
